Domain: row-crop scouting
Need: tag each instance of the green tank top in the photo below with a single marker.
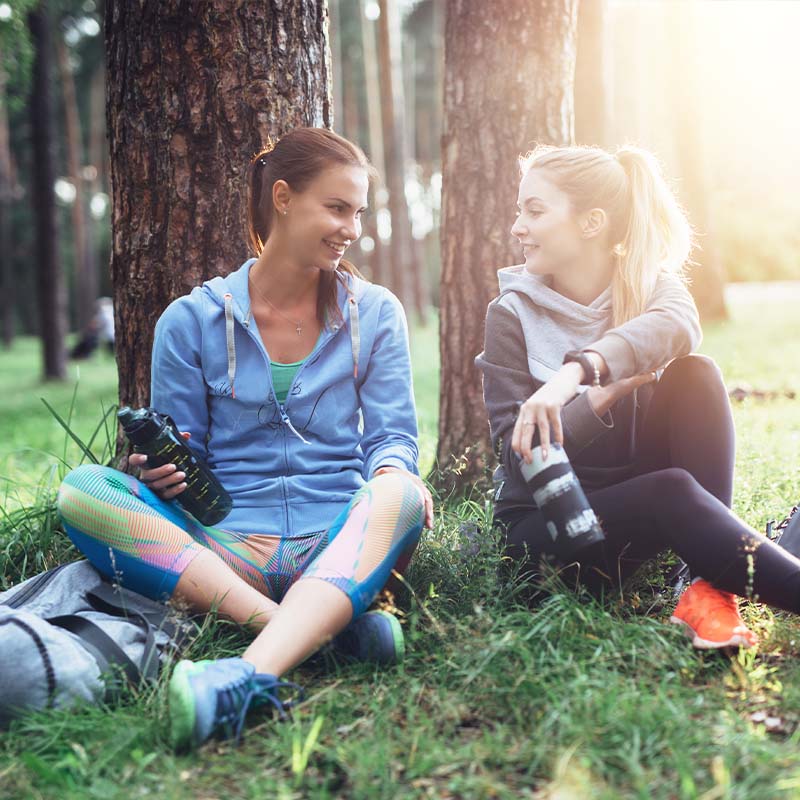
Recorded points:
(282, 377)
(283, 374)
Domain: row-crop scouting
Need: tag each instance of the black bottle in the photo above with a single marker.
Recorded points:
(157, 436)
(569, 518)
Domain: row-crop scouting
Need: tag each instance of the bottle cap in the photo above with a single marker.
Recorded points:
(140, 425)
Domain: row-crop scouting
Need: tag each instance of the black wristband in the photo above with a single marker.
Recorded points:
(591, 372)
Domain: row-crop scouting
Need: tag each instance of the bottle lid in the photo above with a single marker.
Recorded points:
(140, 425)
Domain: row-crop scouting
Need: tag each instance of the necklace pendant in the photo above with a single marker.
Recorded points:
(299, 329)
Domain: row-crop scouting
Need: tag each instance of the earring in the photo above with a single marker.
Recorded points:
(618, 249)
(285, 212)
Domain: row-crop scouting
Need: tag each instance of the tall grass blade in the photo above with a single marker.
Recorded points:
(86, 451)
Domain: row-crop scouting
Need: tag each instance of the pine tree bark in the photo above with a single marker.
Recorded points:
(507, 84)
(51, 290)
(193, 91)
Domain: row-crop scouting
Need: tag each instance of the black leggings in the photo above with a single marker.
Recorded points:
(678, 498)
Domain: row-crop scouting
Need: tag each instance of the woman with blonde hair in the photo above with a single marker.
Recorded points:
(588, 346)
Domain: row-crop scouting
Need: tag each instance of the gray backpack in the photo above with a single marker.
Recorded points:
(68, 635)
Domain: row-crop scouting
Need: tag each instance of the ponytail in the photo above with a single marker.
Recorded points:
(259, 220)
(657, 239)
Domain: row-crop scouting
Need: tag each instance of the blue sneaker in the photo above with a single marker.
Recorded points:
(208, 698)
(375, 636)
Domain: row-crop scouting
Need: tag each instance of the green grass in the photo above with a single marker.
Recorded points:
(572, 699)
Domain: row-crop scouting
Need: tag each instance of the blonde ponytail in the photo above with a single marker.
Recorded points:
(650, 232)
(658, 237)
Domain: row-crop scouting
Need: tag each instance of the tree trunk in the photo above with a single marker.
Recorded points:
(707, 274)
(392, 112)
(592, 79)
(508, 84)
(98, 170)
(85, 276)
(7, 316)
(419, 278)
(192, 95)
(52, 299)
(337, 71)
(375, 139)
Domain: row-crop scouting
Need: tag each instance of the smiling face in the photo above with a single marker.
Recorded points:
(323, 220)
(547, 227)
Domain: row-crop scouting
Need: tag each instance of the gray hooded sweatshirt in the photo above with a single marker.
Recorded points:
(529, 329)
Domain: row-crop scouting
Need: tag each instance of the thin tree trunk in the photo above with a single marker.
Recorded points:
(392, 113)
(707, 274)
(50, 278)
(85, 287)
(419, 282)
(592, 79)
(337, 65)
(508, 84)
(348, 123)
(191, 97)
(98, 162)
(8, 321)
(375, 138)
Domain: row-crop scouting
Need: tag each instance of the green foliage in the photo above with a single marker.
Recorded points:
(16, 51)
(498, 698)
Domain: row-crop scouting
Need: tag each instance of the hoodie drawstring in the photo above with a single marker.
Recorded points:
(355, 333)
(355, 345)
(230, 341)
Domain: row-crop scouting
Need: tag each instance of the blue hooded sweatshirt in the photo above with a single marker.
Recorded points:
(290, 468)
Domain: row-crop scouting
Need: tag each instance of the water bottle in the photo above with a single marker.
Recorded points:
(570, 520)
(157, 436)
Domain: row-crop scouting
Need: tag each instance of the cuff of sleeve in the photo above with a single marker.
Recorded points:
(618, 355)
(389, 461)
(581, 425)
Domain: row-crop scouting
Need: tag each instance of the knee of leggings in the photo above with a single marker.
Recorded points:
(673, 488)
(86, 478)
(401, 486)
(694, 368)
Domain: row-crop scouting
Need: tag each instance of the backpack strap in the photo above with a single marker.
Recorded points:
(107, 652)
(111, 600)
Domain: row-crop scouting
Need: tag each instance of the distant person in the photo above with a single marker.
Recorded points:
(588, 345)
(292, 378)
(104, 314)
(99, 331)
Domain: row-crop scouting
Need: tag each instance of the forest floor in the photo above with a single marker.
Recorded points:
(571, 698)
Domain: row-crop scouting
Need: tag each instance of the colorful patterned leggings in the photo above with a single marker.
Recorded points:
(133, 536)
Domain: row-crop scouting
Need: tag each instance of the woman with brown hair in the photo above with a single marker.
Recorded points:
(291, 379)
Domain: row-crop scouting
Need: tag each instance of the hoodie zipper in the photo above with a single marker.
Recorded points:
(282, 407)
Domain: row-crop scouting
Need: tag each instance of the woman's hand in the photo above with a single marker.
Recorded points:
(601, 398)
(543, 409)
(420, 485)
(165, 480)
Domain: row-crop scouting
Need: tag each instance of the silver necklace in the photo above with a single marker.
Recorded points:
(298, 326)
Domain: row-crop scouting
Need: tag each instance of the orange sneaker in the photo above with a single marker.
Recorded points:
(711, 618)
